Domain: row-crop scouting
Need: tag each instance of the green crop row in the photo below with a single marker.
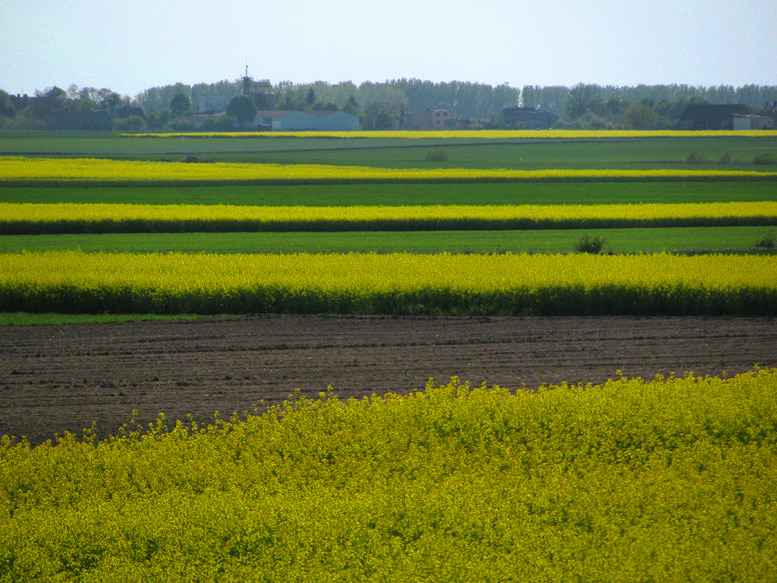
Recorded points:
(538, 193)
(633, 240)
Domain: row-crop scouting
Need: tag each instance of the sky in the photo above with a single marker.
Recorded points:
(131, 46)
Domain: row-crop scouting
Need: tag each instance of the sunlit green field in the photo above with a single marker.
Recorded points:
(634, 240)
(405, 194)
(523, 154)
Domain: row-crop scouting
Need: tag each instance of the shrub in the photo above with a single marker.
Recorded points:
(590, 244)
(769, 159)
(767, 241)
(133, 123)
(436, 156)
(695, 158)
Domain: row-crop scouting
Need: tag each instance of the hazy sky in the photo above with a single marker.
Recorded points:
(129, 46)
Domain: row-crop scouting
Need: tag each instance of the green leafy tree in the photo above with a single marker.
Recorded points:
(380, 115)
(48, 101)
(640, 116)
(310, 97)
(242, 108)
(110, 100)
(158, 120)
(133, 123)
(6, 107)
(351, 106)
(180, 105)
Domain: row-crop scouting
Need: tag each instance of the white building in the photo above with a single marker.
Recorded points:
(751, 122)
(213, 103)
(338, 121)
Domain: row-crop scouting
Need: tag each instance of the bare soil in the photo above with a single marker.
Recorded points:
(55, 378)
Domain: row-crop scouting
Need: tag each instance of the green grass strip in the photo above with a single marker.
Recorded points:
(540, 193)
(633, 240)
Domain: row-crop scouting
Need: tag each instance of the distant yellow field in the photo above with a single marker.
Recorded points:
(43, 170)
(469, 134)
(26, 212)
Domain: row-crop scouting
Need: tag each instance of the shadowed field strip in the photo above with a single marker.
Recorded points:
(20, 218)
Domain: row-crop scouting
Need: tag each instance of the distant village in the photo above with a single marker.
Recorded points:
(262, 110)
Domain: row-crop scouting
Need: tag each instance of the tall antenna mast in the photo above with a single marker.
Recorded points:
(246, 80)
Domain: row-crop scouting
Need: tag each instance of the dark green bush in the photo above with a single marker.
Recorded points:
(590, 244)
(769, 159)
(695, 158)
(768, 241)
(437, 156)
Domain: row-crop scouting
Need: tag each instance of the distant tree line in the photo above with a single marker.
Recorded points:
(30, 112)
(588, 106)
(385, 105)
(380, 105)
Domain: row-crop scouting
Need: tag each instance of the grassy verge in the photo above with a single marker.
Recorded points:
(29, 318)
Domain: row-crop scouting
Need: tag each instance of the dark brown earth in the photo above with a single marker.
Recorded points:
(55, 378)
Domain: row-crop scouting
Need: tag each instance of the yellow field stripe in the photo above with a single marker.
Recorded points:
(469, 134)
(46, 170)
(358, 273)
(94, 212)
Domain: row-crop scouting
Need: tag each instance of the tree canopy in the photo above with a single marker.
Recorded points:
(180, 104)
(242, 108)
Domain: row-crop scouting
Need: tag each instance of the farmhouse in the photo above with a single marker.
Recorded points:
(751, 122)
(439, 119)
(307, 120)
(528, 118)
(79, 120)
(127, 111)
(769, 110)
(213, 103)
(218, 103)
(711, 117)
(204, 122)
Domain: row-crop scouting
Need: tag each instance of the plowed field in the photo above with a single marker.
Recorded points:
(55, 378)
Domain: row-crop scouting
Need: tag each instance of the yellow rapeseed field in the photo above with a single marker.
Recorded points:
(392, 283)
(59, 170)
(470, 134)
(669, 479)
(185, 212)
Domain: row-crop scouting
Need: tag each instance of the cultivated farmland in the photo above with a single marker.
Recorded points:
(362, 262)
